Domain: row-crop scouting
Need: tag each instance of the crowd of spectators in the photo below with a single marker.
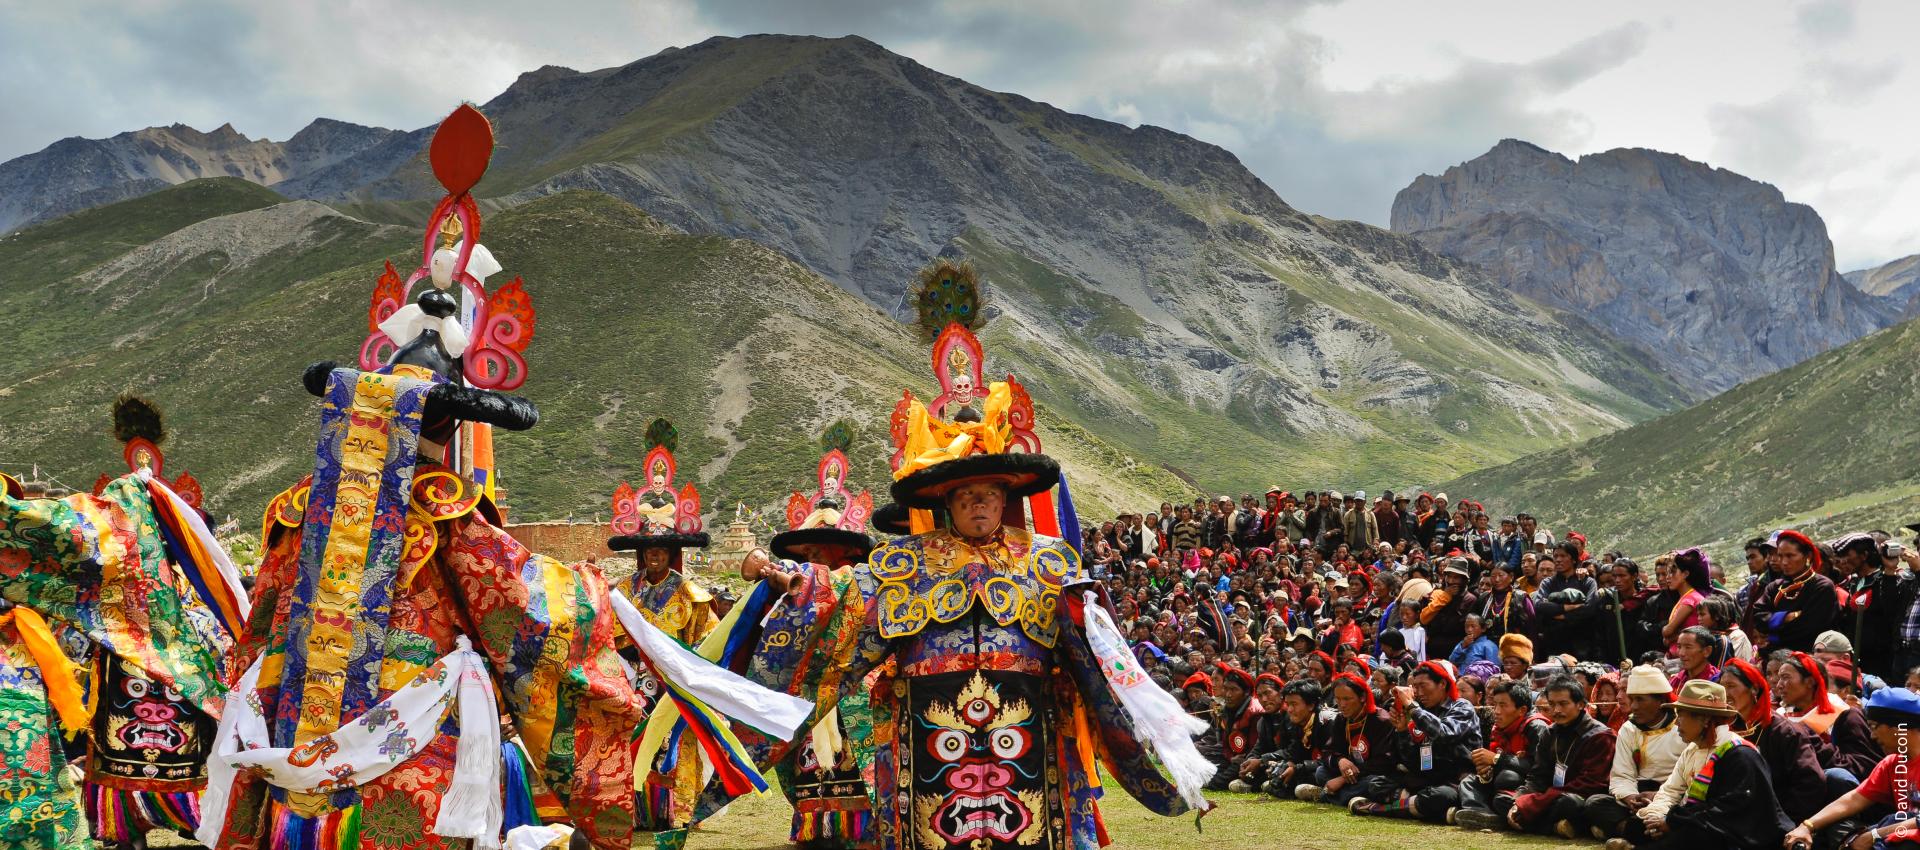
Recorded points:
(1411, 656)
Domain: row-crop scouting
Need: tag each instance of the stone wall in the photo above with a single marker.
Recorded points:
(570, 542)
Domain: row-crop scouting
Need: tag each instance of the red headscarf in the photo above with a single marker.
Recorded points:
(1365, 668)
(1199, 678)
(1806, 544)
(1444, 671)
(1278, 683)
(1333, 667)
(1238, 675)
(1811, 668)
(1756, 681)
(1359, 686)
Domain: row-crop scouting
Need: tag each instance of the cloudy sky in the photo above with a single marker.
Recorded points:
(1337, 105)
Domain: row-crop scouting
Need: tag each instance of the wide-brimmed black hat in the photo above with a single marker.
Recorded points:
(783, 543)
(636, 542)
(1024, 474)
(891, 518)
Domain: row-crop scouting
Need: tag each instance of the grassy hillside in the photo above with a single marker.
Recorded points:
(1827, 444)
(747, 352)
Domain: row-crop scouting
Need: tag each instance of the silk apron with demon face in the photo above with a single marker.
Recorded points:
(146, 738)
(977, 762)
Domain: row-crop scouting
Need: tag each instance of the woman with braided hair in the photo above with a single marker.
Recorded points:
(1801, 683)
(1796, 607)
(1791, 750)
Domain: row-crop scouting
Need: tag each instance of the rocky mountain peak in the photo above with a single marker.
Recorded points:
(1714, 275)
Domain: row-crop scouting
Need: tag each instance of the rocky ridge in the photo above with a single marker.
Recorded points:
(1715, 276)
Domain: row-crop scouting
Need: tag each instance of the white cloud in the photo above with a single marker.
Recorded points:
(1336, 104)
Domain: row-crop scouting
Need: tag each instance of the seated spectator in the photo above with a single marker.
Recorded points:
(1301, 734)
(1414, 634)
(1790, 750)
(1516, 656)
(1718, 795)
(1267, 731)
(1801, 685)
(1505, 610)
(1695, 648)
(1645, 750)
(1722, 617)
(1394, 651)
(1360, 754)
(1895, 713)
(1436, 731)
(1571, 765)
(1500, 767)
(1198, 691)
(1474, 645)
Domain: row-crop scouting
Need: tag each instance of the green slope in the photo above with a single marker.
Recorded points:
(1827, 443)
(749, 353)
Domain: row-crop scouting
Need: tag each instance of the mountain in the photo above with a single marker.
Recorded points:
(75, 174)
(1145, 286)
(1897, 281)
(1826, 445)
(1714, 276)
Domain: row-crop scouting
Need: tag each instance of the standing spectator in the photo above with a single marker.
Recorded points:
(1362, 529)
(1801, 603)
(1566, 617)
(1386, 520)
(1687, 580)
(1509, 544)
(1879, 599)
(1186, 531)
(1293, 521)
(1213, 526)
(1246, 525)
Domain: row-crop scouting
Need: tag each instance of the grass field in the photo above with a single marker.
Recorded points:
(1242, 822)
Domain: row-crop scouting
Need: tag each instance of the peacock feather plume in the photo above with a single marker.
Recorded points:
(134, 417)
(947, 292)
(662, 433)
(838, 435)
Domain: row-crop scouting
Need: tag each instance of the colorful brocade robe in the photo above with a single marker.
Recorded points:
(373, 567)
(39, 805)
(988, 727)
(99, 565)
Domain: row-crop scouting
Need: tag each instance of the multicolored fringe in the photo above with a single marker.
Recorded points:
(125, 816)
(845, 828)
(334, 831)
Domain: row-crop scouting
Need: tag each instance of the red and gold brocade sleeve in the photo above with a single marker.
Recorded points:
(547, 630)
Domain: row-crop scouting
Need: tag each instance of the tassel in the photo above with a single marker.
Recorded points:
(471, 808)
